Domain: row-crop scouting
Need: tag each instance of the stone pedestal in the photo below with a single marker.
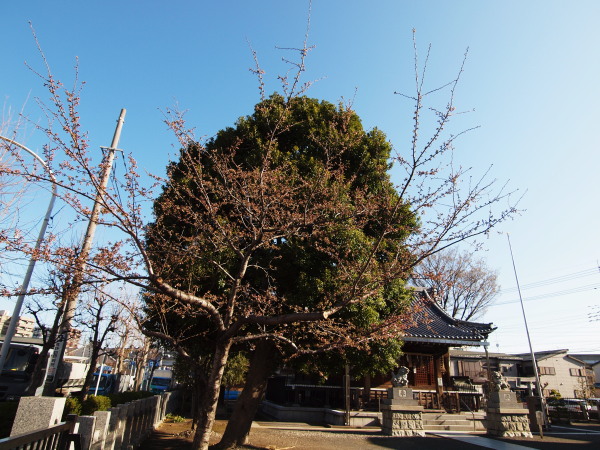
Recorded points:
(401, 414)
(505, 416)
(37, 413)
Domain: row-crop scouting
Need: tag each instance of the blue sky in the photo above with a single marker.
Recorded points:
(531, 77)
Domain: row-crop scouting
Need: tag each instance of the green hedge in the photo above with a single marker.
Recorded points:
(95, 403)
(99, 403)
(123, 397)
(72, 406)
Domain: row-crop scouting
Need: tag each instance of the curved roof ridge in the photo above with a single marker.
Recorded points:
(432, 322)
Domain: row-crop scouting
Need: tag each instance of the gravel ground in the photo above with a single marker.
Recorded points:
(263, 436)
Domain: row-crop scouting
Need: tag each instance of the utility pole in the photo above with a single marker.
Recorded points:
(534, 362)
(80, 263)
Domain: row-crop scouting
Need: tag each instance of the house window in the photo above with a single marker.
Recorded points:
(576, 372)
(547, 371)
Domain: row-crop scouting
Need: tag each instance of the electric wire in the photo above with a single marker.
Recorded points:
(559, 279)
(589, 287)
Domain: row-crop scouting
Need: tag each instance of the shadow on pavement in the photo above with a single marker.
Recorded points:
(429, 443)
(159, 440)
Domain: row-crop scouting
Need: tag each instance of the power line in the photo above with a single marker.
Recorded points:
(559, 279)
(589, 287)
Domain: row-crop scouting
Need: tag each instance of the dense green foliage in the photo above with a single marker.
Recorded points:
(235, 370)
(257, 177)
(95, 403)
(72, 406)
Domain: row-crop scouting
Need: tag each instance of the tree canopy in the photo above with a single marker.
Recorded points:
(302, 191)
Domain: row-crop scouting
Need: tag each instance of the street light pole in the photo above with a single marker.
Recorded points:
(10, 332)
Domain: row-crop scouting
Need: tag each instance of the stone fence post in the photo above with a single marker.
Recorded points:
(37, 413)
(86, 428)
(101, 432)
(128, 409)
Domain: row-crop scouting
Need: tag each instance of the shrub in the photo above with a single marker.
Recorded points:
(8, 411)
(173, 418)
(72, 406)
(95, 403)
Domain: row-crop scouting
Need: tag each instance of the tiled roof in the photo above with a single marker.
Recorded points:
(432, 323)
(459, 353)
(544, 354)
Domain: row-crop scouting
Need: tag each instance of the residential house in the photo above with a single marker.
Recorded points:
(472, 367)
(593, 359)
(567, 374)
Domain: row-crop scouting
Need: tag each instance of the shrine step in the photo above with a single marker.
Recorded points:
(465, 428)
(446, 422)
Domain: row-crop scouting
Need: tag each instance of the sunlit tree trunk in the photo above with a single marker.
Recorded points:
(208, 408)
(246, 406)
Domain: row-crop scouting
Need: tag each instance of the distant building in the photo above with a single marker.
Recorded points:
(73, 340)
(473, 366)
(593, 359)
(37, 333)
(569, 374)
(565, 373)
(25, 325)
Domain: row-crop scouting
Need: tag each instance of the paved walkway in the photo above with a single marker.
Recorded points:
(302, 436)
(481, 441)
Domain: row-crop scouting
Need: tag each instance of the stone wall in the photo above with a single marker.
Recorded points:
(325, 416)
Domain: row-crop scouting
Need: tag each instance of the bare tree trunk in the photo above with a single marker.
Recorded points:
(208, 407)
(90, 373)
(39, 371)
(121, 358)
(196, 402)
(246, 406)
(141, 364)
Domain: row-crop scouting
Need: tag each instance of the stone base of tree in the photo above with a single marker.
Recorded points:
(506, 417)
